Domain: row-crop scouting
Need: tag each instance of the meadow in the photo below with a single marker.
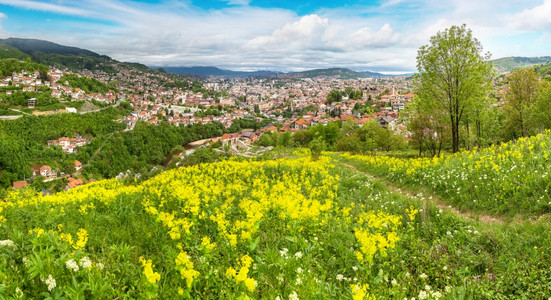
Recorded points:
(289, 228)
(511, 179)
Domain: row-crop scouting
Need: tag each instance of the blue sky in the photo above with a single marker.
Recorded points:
(283, 35)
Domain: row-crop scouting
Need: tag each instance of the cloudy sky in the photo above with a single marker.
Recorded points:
(287, 35)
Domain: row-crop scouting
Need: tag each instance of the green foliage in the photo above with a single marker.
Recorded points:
(453, 76)
(334, 96)
(145, 147)
(89, 85)
(8, 66)
(11, 52)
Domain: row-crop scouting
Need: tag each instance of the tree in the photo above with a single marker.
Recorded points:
(453, 74)
(334, 96)
(522, 90)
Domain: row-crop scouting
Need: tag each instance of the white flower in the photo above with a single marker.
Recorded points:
(355, 268)
(72, 265)
(445, 268)
(7, 243)
(277, 298)
(394, 282)
(423, 276)
(315, 238)
(280, 278)
(448, 289)
(100, 266)
(436, 295)
(283, 252)
(448, 233)
(298, 255)
(300, 270)
(423, 295)
(85, 262)
(299, 281)
(293, 296)
(18, 292)
(340, 277)
(26, 261)
(427, 287)
(50, 282)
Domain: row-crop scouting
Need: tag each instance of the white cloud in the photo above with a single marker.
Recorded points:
(536, 18)
(35, 5)
(247, 37)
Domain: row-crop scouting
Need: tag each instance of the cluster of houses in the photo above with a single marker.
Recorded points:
(50, 174)
(69, 145)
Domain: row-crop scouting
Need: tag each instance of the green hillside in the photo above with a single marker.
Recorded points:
(7, 51)
(340, 73)
(292, 228)
(507, 64)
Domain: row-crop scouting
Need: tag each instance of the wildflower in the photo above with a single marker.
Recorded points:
(394, 282)
(423, 276)
(299, 270)
(72, 265)
(445, 268)
(299, 281)
(85, 262)
(283, 252)
(340, 277)
(293, 296)
(423, 295)
(355, 268)
(25, 261)
(298, 255)
(7, 243)
(436, 295)
(250, 283)
(180, 292)
(82, 239)
(18, 293)
(150, 275)
(50, 282)
(448, 289)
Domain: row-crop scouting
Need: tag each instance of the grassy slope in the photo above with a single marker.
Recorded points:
(438, 253)
(511, 179)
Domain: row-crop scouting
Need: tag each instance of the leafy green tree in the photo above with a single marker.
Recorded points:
(334, 96)
(522, 91)
(453, 74)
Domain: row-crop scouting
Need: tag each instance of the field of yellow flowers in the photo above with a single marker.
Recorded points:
(289, 228)
(509, 179)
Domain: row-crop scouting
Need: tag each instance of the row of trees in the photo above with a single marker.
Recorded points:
(339, 136)
(453, 107)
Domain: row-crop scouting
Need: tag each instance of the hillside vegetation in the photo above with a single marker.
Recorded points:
(508, 179)
(288, 228)
(11, 52)
(507, 64)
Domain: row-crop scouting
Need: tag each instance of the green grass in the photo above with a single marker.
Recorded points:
(438, 253)
(511, 179)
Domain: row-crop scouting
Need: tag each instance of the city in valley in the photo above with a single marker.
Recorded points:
(284, 150)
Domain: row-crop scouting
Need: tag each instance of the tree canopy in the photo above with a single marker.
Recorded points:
(453, 75)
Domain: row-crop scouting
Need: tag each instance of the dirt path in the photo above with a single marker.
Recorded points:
(435, 200)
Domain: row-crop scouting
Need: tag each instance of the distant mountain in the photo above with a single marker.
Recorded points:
(32, 46)
(338, 73)
(507, 64)
(52, 54)
(212, 71)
